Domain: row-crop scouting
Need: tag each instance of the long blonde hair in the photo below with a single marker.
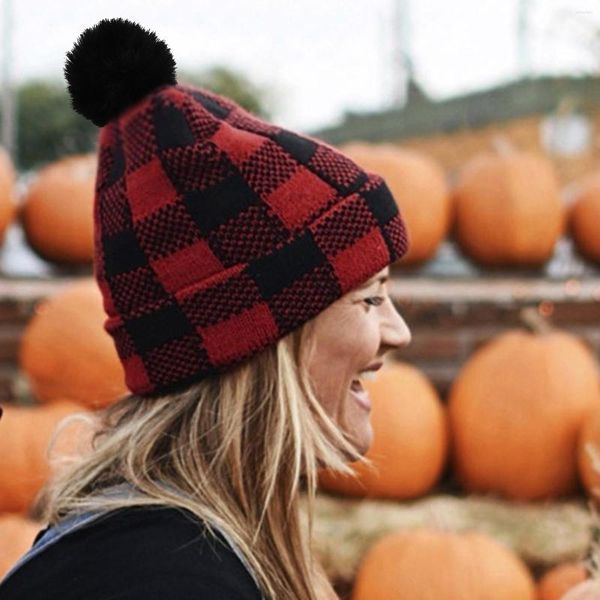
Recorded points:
(235, 449)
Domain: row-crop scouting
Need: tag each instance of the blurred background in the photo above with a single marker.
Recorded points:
(438, 77)
(484, 119)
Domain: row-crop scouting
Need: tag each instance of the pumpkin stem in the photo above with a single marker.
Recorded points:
(536, 322)
(502, 145)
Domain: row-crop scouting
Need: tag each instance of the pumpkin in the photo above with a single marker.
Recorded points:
(560, 579)
(508, 209)
(8, 206)
(515, 411)
(410, 438)
(25, 433)
(425, 564)
(17, 534)
(588, 454)
(418, 184)
(584, 216)
(66, 352)
(58, 209)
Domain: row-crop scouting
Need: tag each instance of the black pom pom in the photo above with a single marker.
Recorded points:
(113, 65)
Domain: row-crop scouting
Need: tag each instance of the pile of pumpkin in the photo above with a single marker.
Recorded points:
(72, 368)
(504, 208)
(522, 421)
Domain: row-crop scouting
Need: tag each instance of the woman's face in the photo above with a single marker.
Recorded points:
(352, 335)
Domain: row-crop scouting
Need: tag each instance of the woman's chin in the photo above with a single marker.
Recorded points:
(364, 439)
(361, 443)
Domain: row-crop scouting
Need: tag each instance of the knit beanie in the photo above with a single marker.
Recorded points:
(216, 233)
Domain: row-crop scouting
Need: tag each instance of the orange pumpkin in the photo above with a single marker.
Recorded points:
(584, 216)
(418, 183)
(508, 210)
(426, 565)
(25, 433)
(58, 209)
(410, 442)
(556, 582)
(66, 352)
(16, 538)
(8, 206)
(515, 411)
(588, 454)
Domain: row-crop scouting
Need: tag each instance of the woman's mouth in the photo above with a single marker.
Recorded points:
(360, 395)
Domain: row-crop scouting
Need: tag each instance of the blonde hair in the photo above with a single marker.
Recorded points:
(235, 449)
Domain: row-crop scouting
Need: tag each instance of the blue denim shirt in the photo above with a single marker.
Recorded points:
(80, 520)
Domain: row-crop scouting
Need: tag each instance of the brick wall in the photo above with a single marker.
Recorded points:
(448, 319)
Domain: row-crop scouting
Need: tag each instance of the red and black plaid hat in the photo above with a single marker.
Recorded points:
(216, 233)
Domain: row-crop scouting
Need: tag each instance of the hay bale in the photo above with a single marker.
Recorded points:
(542, 533)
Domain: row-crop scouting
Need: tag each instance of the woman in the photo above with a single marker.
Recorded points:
(243, 269)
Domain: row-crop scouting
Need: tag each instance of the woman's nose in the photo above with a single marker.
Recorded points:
(396, 333)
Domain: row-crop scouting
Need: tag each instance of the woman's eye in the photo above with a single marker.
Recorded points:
(374, 300)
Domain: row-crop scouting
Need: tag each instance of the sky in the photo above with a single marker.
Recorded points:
(319, 58)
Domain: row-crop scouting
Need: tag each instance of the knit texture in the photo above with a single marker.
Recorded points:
(217, 233)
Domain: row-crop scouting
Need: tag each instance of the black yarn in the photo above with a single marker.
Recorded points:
(113, 65)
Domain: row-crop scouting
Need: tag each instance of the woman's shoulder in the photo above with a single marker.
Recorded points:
(154, 551)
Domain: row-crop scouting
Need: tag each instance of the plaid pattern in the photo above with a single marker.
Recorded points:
(217, 234)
